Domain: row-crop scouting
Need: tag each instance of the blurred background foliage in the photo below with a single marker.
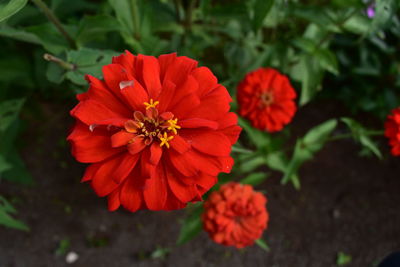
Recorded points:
(342, 49)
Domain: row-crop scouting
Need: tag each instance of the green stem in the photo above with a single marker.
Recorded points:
(241, 150)
(52, 17)
(177, 11)
(189, 14)
(60, 62)
(136, 21)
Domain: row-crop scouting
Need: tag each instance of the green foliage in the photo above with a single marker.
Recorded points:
(343, 259)
(255, 178)
(6, 209)
(10, 8)
(191, 226)
(262, 244)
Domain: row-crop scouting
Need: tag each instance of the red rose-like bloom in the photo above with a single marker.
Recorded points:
(392, 131)
(157, 132)
(235, 215)
(266, 98)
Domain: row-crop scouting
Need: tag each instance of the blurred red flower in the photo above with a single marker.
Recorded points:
(392, 131)
(157, 132)
(235, 215)
(266, 98)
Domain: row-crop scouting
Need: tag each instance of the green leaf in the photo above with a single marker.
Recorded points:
(5, 218)
(87, 61)
(10, 8)
(261, 10)
(360, 134)
(257, 137)
(4, 165)
(305, 149)
(255, 178)
(358, 24)
(262, 244)
(20, 35)
(343, 259)
(17, 172)
(9, 111)
(63, 247)
(384, 11)
(95, 27)
(191, 226)
(249, 163)
(50, 38)
(327, 60)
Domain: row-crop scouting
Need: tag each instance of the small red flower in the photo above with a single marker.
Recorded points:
(235, 215)
(266, 98)
(157, 132)
(392, 131)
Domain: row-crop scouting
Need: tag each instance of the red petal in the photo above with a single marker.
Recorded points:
(155, 153)
(135, 95)
(212, 143)
(183, 192)
(198, 123)
(155, 193)
(182, 163)
(150, 73)
(90, 172)
(165, 61)
(89, 147)
(147, 169)
(179, 69)
(99, 91)
(127, 61)
(206, 79)
(124, 167)
(113, 200)
(206, 181)
(179, 144)
(93, 112)
(121, 138)
(166, 95)
(137, 146)
(131, 193)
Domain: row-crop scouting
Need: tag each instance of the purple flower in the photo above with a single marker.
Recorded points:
(371, 10)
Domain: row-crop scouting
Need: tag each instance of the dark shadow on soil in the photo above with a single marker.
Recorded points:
(347, 203)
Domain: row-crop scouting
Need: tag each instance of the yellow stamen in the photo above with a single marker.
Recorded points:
(151, 104)
(164, 140)
(173, 126)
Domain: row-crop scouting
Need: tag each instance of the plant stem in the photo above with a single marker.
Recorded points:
(177, 11)
(241, 150)
(189, 14)
(136, 21)
(60, 62)
(52, 17)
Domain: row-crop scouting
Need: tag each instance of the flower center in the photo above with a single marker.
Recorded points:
(153, 126)
(267, 98)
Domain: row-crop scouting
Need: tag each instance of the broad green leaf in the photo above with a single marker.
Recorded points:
(358, 24)
(87, 61)
(262, 244)
(327, 60)
(18, 34)
(11, 7)
(95, 27)
(306, 147)
(360, 134)
(257, 137)
(17, 172)
(5, 218)
(261, 9)
(49, 37)
(191, 226)
(254, 178)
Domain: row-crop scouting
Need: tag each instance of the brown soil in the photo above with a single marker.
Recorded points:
(347, 204)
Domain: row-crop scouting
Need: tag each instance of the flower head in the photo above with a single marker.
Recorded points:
(235, 215)
(266, 98)
(392, 131)
(156, 132)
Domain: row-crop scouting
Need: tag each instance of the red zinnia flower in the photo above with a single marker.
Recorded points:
(157, 132)
(265, 98)
(392, 131)
(235, 215)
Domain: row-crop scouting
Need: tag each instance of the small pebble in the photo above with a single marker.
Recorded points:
(336, 214)
(71, 257)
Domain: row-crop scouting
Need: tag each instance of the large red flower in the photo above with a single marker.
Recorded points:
(266, 98)
(157, 132)
(392, 131)
(235, 215)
